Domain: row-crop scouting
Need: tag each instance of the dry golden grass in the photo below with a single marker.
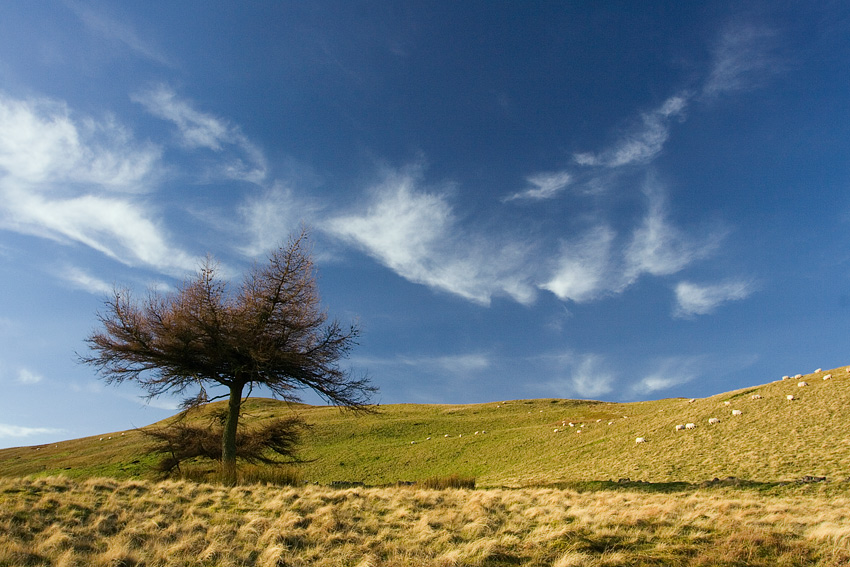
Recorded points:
(105, 522)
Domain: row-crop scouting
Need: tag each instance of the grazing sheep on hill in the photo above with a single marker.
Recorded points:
(756, 396)
(713, 421)
(785, 377)
(640, 440)
(818, 370)
(789, 397)
(692, 400)
(736, 412)
(726, 403)
(827, 376)
(798, 376)
(802, 384)
(680, 427)
(690, 426)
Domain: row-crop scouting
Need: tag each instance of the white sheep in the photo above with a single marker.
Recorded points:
(737, 412)
(680, 427)
(789, 397)
(692, 400)
(727, 403)
(798, 376)
(802, 384)
(786, 377)
(756, 396)
(556, 430)
(827, 376)
(690, 426)
(640, 440)
(818, 370)
(713, 420)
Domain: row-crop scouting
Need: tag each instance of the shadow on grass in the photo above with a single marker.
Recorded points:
(667, 487)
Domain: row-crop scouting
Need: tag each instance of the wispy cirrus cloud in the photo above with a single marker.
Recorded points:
(78, 179)
(602, 262)
(644, 142)
(116, 30)
(43, 145)
(543, 186)
(7, 430)
(463, 364)
(27, 376)
(415, 233)
(198, 129)
(583, 269)
(695, 299)
(583, 375)
(743, 59)
(668, 372)
(270, 217)
(81, 279)
(658, 247)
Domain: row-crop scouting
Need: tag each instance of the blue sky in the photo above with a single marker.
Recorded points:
(605, 200)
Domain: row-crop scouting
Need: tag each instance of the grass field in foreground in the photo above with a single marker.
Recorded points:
(105, 522)
(516, 444)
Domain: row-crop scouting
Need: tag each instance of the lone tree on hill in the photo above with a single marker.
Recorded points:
(270, 332)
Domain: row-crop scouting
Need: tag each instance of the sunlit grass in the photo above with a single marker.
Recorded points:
(61, 521)
(514, 443)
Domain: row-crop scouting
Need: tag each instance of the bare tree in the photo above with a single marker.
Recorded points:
(271, 332)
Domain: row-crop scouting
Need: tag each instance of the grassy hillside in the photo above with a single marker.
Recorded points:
(516, 444)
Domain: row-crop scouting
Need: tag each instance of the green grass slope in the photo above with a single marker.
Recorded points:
(516, 443)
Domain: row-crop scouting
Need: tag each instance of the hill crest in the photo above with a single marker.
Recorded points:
(527, 442)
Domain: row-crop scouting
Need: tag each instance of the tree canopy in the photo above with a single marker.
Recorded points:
(271, 331)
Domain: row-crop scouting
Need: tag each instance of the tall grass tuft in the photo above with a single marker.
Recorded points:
(451, 481)
(280, 475)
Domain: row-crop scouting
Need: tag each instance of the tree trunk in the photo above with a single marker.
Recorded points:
(228, 437)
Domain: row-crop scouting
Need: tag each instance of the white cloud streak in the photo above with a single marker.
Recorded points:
(582, 270)
(643, 143)
(694, 299)
(543, 186)
(742, 59)
(81, 279)
(658, 247)
(667, 373)
(72, 179)
(115, 30)
(269, 218)
(202, 130)
(21, 431)
(577, 375)
(459, 364)
(416, 234)
(26, 376)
